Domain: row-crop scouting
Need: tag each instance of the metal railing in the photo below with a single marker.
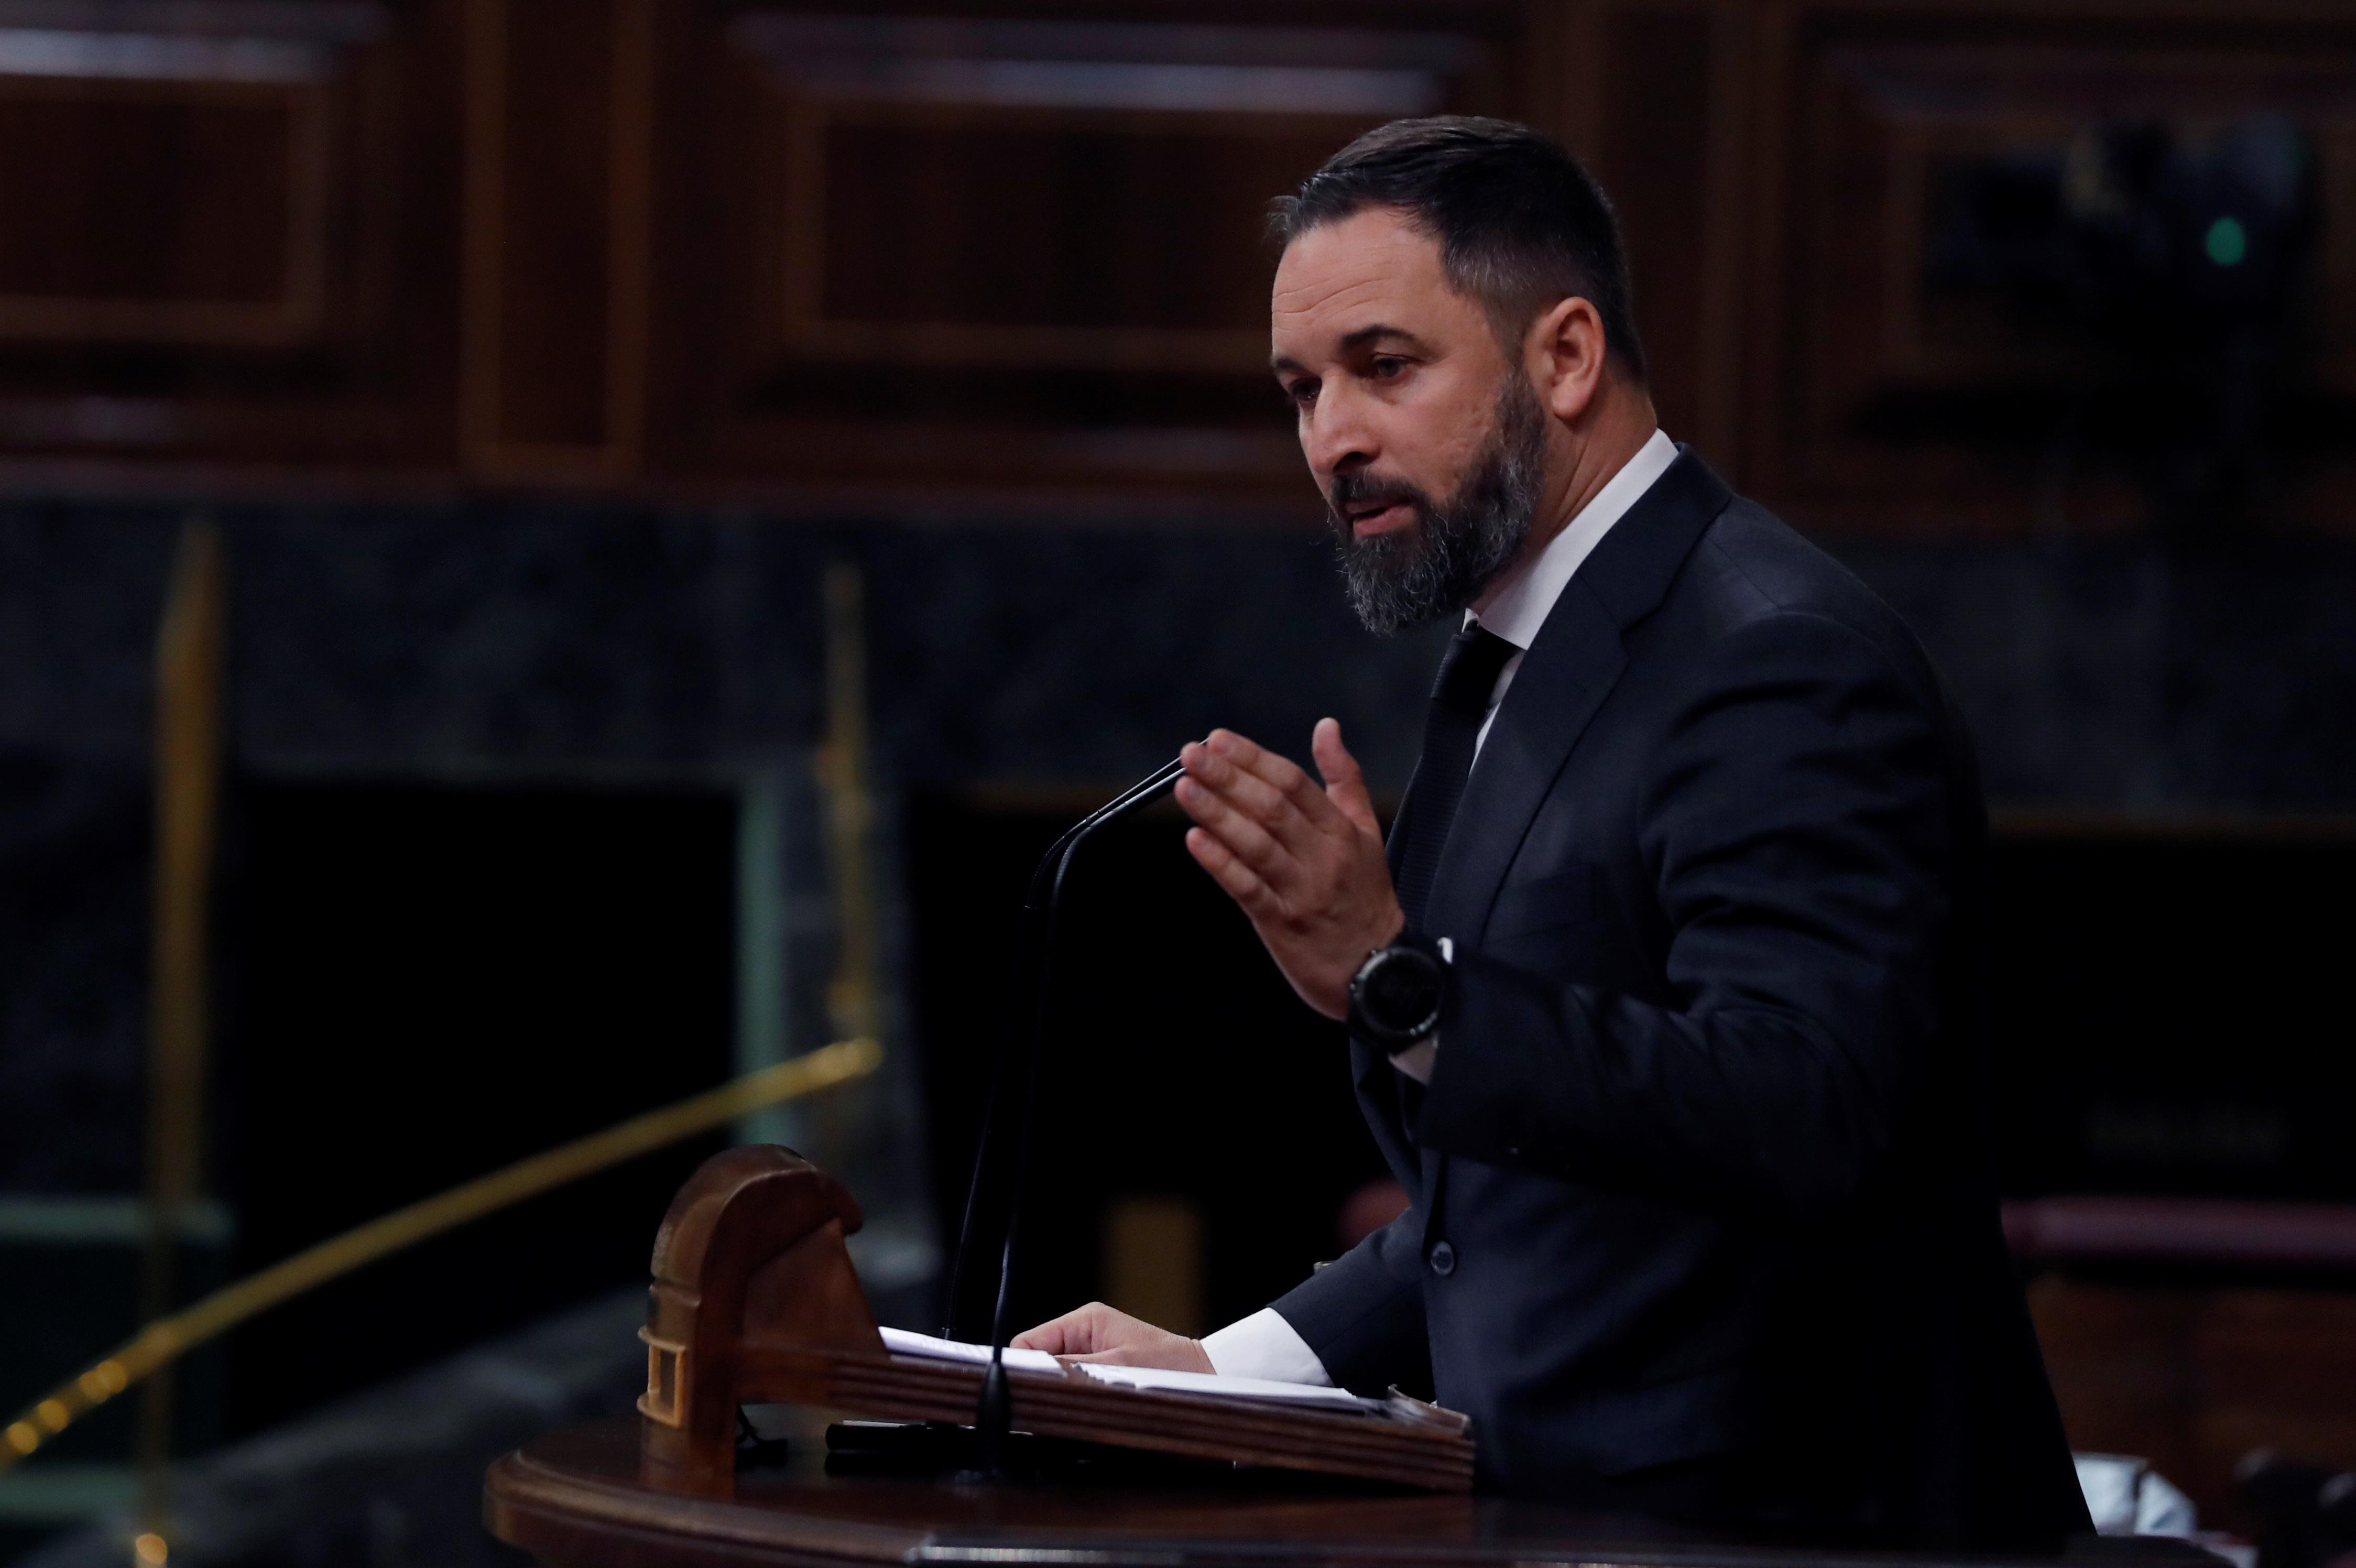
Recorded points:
(167, 1339)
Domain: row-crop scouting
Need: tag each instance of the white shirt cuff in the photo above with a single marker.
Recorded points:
(1417, 1059)
(1264, 1346)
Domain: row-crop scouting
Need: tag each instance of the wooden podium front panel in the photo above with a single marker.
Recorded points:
(1285, 1437)
(576, 1500)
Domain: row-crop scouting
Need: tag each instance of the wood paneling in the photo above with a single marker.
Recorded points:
(1884, 399)
(946, 236)
(981, 248)
(558, 108)
(2194, 1379)
(1780, 168)
(1007, 251)
(221, 236)
(1653, 85)
(1655, 98)
(183, 213)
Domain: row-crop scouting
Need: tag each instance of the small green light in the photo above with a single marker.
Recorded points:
(2227, 242)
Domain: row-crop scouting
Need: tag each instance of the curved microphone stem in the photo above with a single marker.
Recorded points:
(1040, 910)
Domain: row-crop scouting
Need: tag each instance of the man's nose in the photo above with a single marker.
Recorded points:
(1337, 435)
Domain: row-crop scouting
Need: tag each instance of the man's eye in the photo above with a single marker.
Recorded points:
(1387, 366)
(1303, 393)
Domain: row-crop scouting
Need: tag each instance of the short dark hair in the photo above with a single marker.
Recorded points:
(1520, 224)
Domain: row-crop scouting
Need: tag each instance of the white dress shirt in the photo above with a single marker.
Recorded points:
(1264, 1344)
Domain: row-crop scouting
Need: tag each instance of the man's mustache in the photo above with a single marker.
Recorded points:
(1362, 492)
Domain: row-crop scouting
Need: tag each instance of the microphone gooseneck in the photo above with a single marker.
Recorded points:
(1009, 1115)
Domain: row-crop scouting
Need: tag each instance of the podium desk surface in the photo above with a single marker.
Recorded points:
(575, 1499)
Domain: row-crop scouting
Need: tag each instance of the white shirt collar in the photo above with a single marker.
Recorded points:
(1521, 606)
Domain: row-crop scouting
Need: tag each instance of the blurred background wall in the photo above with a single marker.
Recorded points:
(534, 361)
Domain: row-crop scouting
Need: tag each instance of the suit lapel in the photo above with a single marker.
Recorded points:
(1571, 667)
(1569, 670)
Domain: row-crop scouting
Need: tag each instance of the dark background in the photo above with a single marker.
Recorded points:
(479, 975)
(2162, 1016)
(1180, 1064)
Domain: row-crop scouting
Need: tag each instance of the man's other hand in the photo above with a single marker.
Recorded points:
(1096, 1333)
(1306, 863)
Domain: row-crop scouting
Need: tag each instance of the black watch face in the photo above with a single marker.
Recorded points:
(1401, 994)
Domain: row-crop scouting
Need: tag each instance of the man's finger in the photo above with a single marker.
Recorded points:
(1281, 774)
(1070, 1335)
(1346, 782)
(1239, 750)
(1172, 1352)
(1227, 869)
(1252, 793)
(1240, 832)
(1249, 791)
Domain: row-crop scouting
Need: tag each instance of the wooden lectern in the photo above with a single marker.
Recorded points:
(754, 1300)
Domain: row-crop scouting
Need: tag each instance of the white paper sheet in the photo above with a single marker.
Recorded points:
(1226, 1387)
(903, 1342)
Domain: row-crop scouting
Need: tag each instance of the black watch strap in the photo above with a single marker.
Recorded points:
(1400, 993)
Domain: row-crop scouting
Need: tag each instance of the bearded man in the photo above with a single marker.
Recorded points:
(1663, 1004)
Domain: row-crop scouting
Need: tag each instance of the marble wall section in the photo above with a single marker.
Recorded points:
(532, 641)
(507, 641)
(2117, 674)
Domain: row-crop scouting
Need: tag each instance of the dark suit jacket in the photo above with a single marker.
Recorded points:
(1702, 1214)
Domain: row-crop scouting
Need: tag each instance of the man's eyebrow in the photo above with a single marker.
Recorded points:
(1366, 334)
(1354, 342)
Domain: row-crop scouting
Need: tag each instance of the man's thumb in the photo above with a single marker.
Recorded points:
(1345, 785)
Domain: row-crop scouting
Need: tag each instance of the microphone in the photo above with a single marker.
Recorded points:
(1037, 967)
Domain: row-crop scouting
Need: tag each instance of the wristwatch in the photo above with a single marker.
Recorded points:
(1399, 993)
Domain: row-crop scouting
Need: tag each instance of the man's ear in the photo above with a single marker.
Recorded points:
(1567, 351)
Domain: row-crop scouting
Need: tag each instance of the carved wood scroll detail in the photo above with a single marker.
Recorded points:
(751, 1255)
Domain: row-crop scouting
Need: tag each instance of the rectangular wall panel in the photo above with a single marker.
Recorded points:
(557, 132)
(225, 235)
(1655, 111)
(1024, 250)
(162, 212)
(1017, 237)
(1944, 341)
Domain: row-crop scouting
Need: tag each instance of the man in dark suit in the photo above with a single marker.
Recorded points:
(1664, 997)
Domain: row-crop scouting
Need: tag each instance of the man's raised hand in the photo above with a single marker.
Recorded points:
(1304, 863)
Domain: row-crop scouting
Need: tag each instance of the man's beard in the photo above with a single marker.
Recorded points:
(1411, 576)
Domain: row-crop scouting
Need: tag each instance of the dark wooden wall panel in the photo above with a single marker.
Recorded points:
(2194, 1379)
(1006, 252)
(1055, 223)
(170, 211)
(554, 261)
(227, 237)
(796, 250)
(1655, 84)
(1885, 398)
(558, 129)
(1655, 97)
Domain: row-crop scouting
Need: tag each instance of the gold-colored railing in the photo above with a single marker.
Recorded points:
(165, 1339)
(191, 727)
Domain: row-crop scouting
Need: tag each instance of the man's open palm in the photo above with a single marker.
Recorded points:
(1304, 863)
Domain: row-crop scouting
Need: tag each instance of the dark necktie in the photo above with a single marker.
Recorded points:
(1459, 700)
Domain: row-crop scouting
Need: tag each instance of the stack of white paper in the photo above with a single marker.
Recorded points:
(903, 1342)
(1229, 1387)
